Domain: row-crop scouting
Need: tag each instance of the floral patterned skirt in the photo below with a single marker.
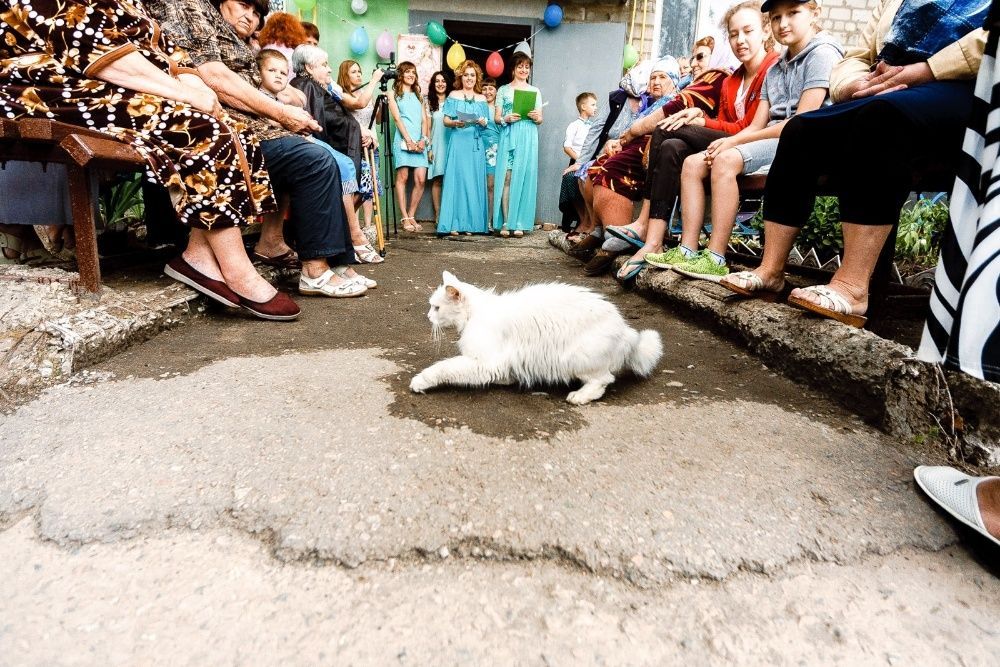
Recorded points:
(623, 172)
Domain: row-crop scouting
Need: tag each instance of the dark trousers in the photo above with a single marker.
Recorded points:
(308, 173)
(667, 151)
(569, 196)
(866, 152)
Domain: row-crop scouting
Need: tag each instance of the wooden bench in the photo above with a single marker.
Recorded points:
(85, 153)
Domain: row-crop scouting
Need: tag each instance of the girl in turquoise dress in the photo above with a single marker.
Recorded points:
(409, 144)
(463, 203)
(517, 155)
(437, 151)
(491, 136)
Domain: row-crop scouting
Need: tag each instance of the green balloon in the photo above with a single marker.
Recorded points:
(631, 57)
(436, 33)
(305, 5)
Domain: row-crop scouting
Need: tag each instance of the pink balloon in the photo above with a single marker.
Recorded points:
(383, 45)
(494, 65)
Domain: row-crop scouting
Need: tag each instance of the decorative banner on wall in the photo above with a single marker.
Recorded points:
(419, 51)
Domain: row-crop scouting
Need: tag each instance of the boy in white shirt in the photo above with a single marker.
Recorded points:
(576, 132)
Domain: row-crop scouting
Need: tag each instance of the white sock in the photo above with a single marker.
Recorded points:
(686, 251)
(717, 258)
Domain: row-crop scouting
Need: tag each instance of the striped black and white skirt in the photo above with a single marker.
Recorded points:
(963, 324)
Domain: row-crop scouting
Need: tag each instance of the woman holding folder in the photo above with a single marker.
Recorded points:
(463, 200)
(519, 113)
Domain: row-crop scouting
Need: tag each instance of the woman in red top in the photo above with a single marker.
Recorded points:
(691, 130)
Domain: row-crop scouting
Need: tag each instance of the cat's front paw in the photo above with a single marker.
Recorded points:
(419, 384)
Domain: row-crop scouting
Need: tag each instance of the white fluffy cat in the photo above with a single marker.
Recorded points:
(547, 333)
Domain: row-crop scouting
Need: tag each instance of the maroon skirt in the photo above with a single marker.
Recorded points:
(623, 172)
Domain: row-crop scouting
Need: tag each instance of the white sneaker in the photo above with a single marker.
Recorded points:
(956, 493)
(357, 278)
(323, 287)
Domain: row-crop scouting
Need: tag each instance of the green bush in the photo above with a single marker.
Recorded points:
(921, 225)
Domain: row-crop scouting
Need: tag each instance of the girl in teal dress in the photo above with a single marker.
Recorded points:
(409, 143)
(463, 202)
(517, 155)
(437, 150)
(491, 136)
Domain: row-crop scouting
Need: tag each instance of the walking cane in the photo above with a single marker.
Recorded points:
(376, 201)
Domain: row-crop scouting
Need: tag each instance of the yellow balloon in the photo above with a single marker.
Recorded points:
(456, 55)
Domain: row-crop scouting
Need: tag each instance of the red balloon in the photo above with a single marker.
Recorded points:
(494, 65)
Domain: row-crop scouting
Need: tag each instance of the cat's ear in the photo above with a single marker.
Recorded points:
(452, 292)
(448, 278)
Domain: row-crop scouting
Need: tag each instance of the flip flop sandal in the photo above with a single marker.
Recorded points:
(518, 233)
(286, 260)
(751, 286)
(955, 492)
(626, 234)
(832, 305)
(505, 232)
(630, 269)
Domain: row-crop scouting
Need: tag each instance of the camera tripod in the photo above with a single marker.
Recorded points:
(381, 111)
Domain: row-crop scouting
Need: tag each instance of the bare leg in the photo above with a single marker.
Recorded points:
(592, 389)
(436, 196)
(402, 175)
(693, 176)
(656, 229)
(419, 179)
(357, 237)
(587, 190)
(219, 254)
(272, 237)
(988, 494)
(368, 208)
(725, 199)
(489, 200)
(505, 199)
(862, 245)
(780, 239)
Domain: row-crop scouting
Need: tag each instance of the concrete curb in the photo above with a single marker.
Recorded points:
(55, 332)
(879, 379)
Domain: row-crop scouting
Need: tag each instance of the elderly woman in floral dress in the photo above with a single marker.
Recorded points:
(104, 65)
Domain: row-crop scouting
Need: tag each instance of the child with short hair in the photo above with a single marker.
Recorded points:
(576, 132)
(273, 67)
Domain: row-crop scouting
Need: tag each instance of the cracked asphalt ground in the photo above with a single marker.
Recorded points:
(242, 492)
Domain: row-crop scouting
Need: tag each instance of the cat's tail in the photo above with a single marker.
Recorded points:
(645, 353)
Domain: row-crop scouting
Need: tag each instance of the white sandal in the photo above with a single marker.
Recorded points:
(832, 304)
(323, 287)
(956, 493)
(367, 254)
(341, 272)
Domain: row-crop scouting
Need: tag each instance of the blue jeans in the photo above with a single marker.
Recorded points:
(309, 175)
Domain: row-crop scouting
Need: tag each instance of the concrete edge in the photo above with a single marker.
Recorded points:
(878, 379)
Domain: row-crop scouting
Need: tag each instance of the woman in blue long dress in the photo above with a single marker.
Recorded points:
(409, 144)
(491, 137)
(437, 150)
(517, 155)
(463, 200)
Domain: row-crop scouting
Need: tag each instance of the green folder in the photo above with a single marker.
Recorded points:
(524, 101)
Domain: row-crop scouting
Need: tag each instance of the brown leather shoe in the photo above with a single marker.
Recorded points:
(279, 308)
(600, 263)
(180, 270)
(587, 247)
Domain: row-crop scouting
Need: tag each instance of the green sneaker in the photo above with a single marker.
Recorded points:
(665, 260)
(702, 267)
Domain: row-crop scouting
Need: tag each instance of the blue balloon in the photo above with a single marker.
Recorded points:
(359, 41)
(553, 16)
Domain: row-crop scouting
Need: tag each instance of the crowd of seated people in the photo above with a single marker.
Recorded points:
(806, 112)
